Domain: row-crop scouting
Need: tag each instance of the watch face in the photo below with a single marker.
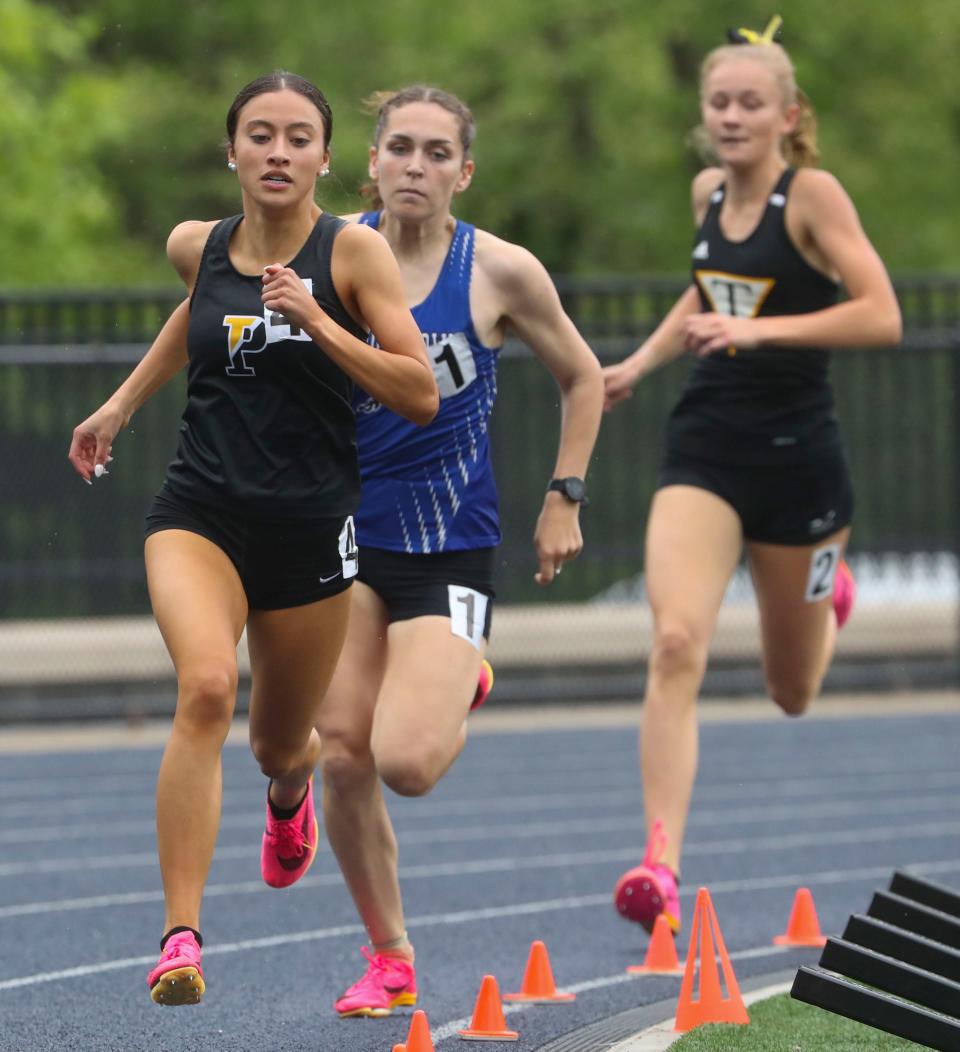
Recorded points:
(574, 488)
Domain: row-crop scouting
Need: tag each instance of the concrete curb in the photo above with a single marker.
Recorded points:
(649, 1028)
(73, 651)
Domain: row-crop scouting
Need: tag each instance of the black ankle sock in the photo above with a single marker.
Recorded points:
(286, 813)
(177, 930)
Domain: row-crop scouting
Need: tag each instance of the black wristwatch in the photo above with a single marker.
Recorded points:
(572, 488)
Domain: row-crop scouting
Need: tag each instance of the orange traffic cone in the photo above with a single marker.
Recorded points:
(488, 1023)
(661, 956)
(538, 984)
(803, 928)
(418, 1037)
(711, 1006)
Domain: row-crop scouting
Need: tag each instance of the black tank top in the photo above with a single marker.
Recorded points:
(767, 405)
(268, 429)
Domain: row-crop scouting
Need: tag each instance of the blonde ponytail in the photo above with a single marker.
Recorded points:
(800, 148)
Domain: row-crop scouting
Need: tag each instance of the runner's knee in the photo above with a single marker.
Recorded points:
(676, 650)
(276, 759)
(206, 697)
(412, 770)
(344, 764)
(794, 696)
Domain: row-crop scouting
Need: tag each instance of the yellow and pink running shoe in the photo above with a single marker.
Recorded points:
(289, 844)
(844, 592)
(388, 983)
(484, 685)
(648, 890)
(178, 977)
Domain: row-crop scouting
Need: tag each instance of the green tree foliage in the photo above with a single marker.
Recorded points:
(58, 215)
(115, 109)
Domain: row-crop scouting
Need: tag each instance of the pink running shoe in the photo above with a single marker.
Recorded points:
(389, 982)
(844, 592)
(649, 889)
(178, 977)
(289, 844)
(484, 685)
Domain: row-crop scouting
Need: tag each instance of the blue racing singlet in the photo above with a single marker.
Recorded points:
(431, 489)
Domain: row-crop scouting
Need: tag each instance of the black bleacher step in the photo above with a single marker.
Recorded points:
(893, 976)
(922, 920)
(902, 945)
(878, 1010)
(926, 892)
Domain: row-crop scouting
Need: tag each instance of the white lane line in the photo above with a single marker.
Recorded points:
(441, 871)
(862, 785)
(427, 810)
(724, 846)
(828, 809)
(425, 921)
(555, 764)
(91, 863)
(559, 765)
(792, 841)
(490, 913)
(256, 887)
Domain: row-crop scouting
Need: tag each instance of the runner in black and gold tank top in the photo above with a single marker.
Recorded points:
(754, 456)
(759, 405)
(268, 428)
(253, 527)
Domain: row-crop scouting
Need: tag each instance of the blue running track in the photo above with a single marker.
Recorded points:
(523, 840)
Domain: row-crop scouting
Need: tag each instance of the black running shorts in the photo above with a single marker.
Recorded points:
(458, 585)
(281, 563)
(794, 504)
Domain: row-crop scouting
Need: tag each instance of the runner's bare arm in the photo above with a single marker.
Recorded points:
(93, 439)
(532, 308)
(368, 279)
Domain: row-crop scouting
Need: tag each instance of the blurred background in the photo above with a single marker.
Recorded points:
(112, 125)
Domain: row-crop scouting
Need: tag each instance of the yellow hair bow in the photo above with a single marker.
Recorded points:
(751, 36)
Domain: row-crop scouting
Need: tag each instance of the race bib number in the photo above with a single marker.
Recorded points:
(823, 568)
(468, 613)
(454, 367)
(349, 555)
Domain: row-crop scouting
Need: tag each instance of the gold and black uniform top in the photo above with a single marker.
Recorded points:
(268, 429)
(769, 404)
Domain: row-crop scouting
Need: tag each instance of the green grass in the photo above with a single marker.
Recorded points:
(781, 1024)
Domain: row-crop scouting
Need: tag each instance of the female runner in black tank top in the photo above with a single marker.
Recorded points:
(754, 457)
(252, 529)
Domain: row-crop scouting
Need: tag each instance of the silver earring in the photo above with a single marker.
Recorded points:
(324, 171)
(232, 166)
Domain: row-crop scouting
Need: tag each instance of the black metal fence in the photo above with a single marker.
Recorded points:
(73, 551)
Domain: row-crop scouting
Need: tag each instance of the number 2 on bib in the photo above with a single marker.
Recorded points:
(823, 567)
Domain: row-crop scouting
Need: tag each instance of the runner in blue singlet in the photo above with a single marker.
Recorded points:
(427, 526)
